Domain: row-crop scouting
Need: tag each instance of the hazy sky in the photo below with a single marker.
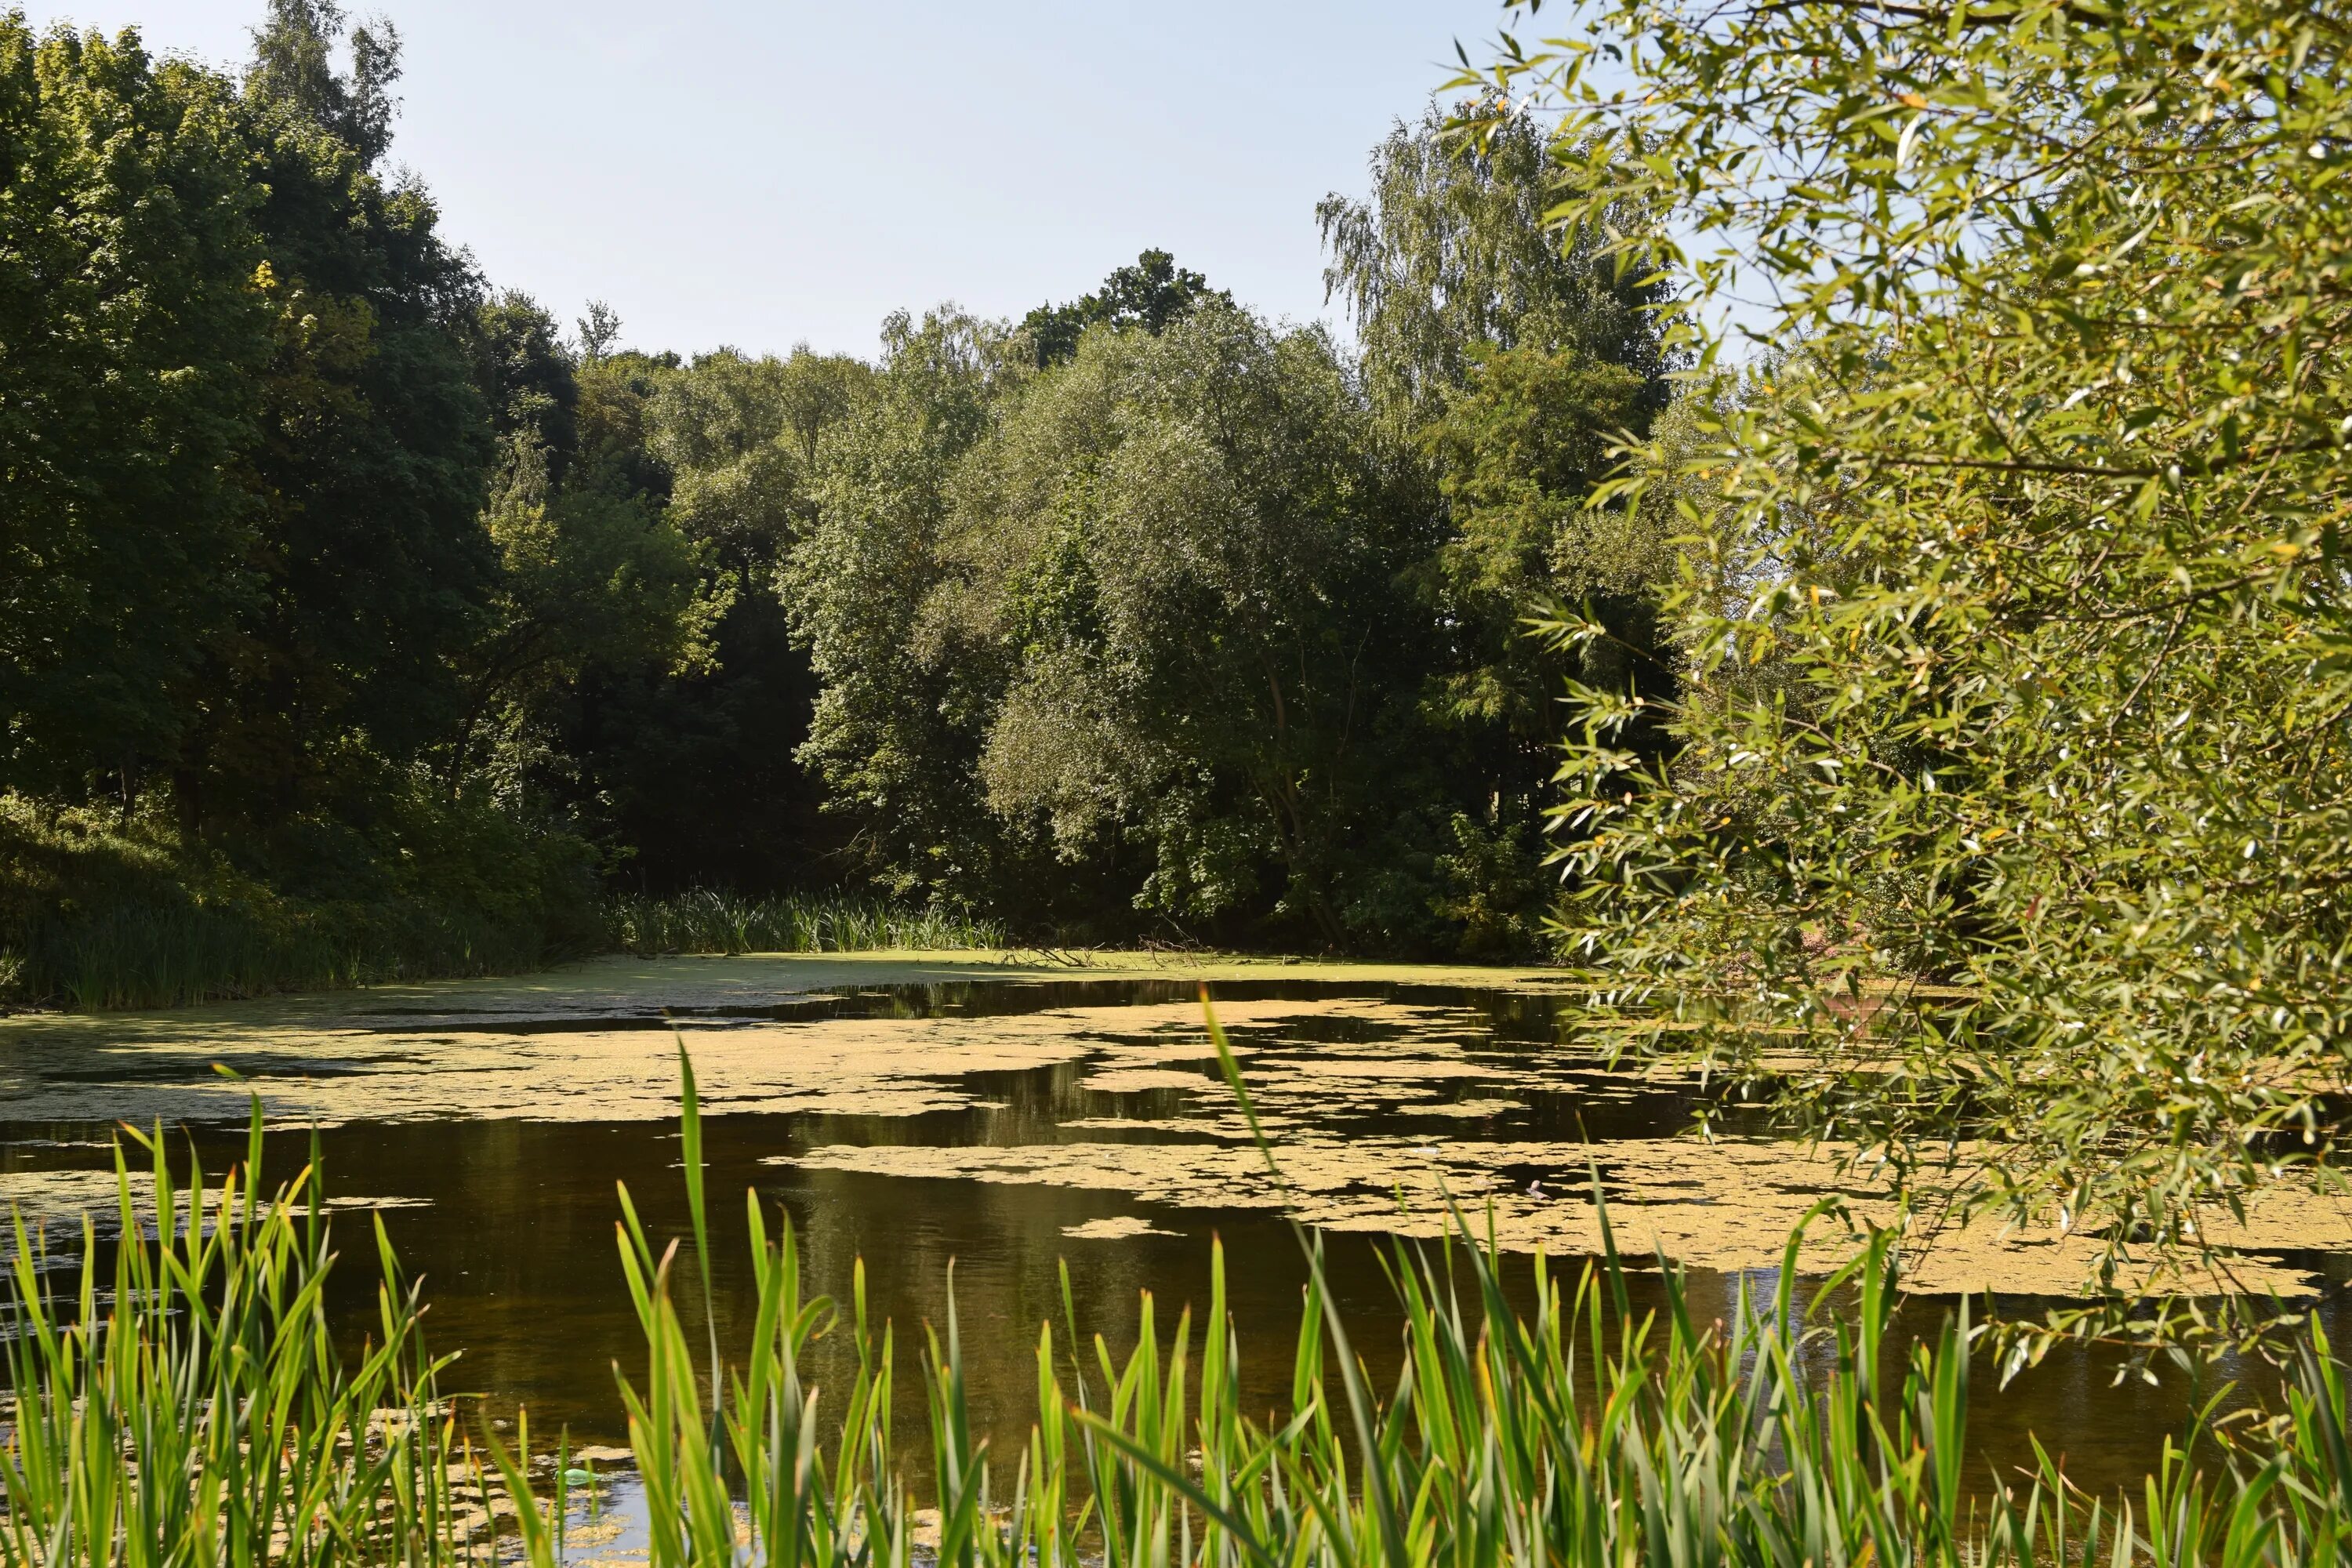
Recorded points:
(727, 171)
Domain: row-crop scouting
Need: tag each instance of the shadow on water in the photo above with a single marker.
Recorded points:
(510, 1225)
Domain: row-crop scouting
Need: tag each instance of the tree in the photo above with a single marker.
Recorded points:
(1183, 550)
(372, 563)
(587, 581)
(599, 333)
(686, 774)
(1150, 295)
(1517, 358)
(294, 67)
(613, 417)
(371, 567)
(739, 437)
(248, 422)
(896, 736)
(1518, 448)
(134, 311)
(530, 376)
(1453, 254)
(2013, 646)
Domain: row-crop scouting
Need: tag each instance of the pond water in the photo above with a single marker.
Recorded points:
(918, 1111)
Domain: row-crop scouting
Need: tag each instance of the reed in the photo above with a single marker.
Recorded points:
(187, 1404)
(1692, 1446)
(196, 1412)
(711, 921)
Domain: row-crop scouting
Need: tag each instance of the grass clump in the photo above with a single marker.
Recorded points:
(711, 921)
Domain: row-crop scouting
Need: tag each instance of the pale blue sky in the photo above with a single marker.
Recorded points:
(726, 170)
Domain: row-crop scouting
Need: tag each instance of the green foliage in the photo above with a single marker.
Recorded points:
(365, 470)
(2014, 633)
(1517, 365)
(679, 605)
(204, 1412)
(294, 66)
(1170, 623)
(1150, 295)
(676, 757)
(245, 550)
(1519, 447)
(134, 324)
(1452, 255)
(1183, 550)
(741, 439)
(895, 737)
(1492, 885)
(316, 508)
(614, 395)
(707, 920)
(530, 376)
(587, 580)
(96, 912)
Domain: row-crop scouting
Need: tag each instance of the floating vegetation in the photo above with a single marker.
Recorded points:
(1114, 1227)
(1724, 1204)
(1387, 1107)
(526, 1065)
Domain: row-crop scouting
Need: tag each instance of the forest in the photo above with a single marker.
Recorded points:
(362, 619)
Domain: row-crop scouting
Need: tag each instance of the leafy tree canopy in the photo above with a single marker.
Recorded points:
(135, 313)
(1453, 252)
(1184, 551)
(1148, 295)
(741, 439)
(294, 67)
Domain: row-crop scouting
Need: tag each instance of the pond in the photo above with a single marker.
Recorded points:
(931, 1112)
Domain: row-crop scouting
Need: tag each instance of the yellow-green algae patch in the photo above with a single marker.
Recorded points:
(873, 1066)
(1725, 1204)
(629, 985)
(558, 1047)
(1116, 1228)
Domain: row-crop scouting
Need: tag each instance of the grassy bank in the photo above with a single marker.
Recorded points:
(100, 913)
(171, 953)
(207, 1417)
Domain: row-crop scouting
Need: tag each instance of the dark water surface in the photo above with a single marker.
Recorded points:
(511, 1224)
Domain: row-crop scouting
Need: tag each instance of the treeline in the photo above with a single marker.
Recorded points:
(343, 594)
